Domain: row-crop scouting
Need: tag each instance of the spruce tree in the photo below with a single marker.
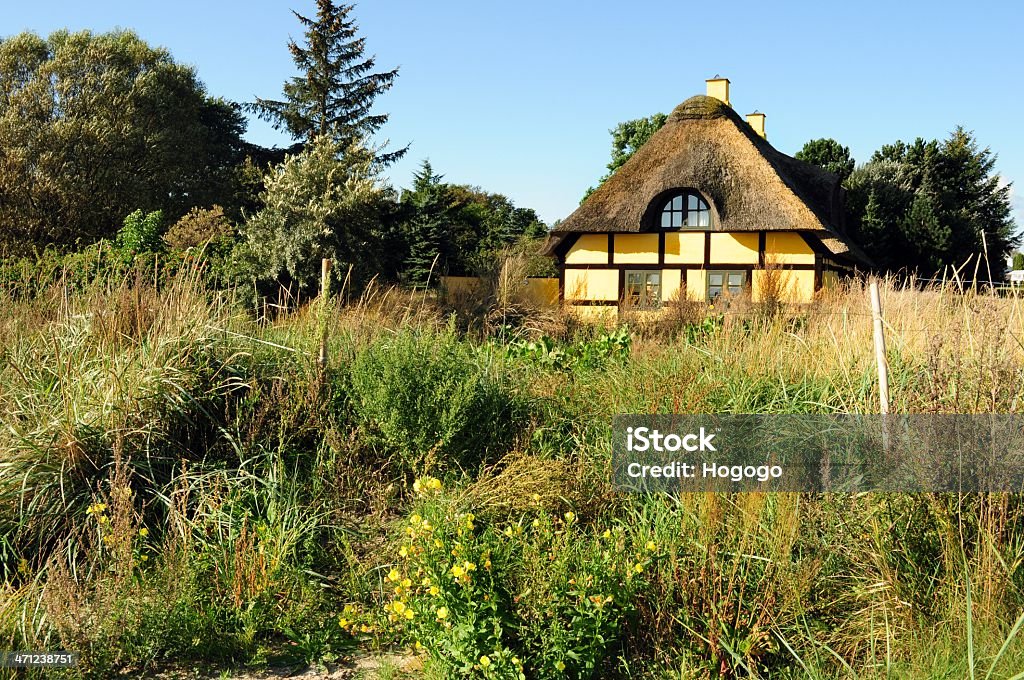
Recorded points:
(337, 84)
(427, 230)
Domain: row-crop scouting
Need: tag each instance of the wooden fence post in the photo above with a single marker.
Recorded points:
(325, 285)
(879, 333)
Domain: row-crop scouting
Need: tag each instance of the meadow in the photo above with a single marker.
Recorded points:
(182, 481)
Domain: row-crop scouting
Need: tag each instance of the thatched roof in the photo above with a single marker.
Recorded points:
(705, 145)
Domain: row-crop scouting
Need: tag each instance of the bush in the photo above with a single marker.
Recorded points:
(199, 227)
(432, 400)
(540, 599)
(140, 233)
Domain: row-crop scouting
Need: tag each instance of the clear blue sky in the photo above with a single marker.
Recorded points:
(518, 97)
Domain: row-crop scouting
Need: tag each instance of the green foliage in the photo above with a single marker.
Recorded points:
(334, 92)
(323, 202)
(627, 138)
(140, 234)
(96, 125)
(458, 229)
(828, 154)
(541, 599)
(925, 206)
(200, 227)
(1018, 261)
(434, 401)
(426, 230)
(580, 355)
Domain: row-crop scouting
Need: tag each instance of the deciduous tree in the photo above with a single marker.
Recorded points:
(94, 126)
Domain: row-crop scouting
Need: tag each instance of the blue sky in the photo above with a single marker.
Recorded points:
(518, 97)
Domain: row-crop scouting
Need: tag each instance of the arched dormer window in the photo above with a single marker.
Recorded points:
(685, 210)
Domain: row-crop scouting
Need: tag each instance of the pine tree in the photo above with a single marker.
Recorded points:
(334, 92)
(428, 228)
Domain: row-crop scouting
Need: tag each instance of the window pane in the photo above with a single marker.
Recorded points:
(704, 218)
(677, 203)
(714, 292)
(692, 202)
(654, 278)
(677, 219)
(715, 278)
(736, 279)
(666, 219)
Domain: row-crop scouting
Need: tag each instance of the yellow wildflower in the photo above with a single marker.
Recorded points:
(435, 591)
(403, 551)
(409, 614)
(560, 666)
(570, 516)
(652, 546)
(406, 583)
(442, 613)
(393, 575)
(415, 519)
(485, 661)
(143, 532)
(458, 571)
(343, 622)
(469, 566)
(398, 606)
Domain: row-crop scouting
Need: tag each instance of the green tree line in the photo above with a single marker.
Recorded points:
(104, 138)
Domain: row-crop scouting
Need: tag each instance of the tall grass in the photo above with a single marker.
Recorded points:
(181, 480)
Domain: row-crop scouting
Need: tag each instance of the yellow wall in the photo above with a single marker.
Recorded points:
(591, 284)
(670, 282)
(786, 247)
(595, 313)
(684, 247)
(696, 285)
(636, 249)
(792, 286)
(734, 248)
(542, 291)
(591, 249)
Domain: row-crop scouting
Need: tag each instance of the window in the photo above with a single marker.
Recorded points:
(643, 289)
(685, 211)
(725, 282)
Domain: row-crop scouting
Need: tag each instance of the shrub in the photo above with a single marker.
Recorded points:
(540, 599)
(433, 400)
(140, 233)
(199, 227)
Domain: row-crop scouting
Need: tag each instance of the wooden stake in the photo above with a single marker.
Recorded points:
(883, 366)
(325, 284)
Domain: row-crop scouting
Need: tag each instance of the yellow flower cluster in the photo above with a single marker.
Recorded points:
(349, 620)
(461, 571)
(98, 510)
(400, 610)
(426, 485)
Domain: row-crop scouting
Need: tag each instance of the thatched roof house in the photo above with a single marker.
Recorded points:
(709, 172)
